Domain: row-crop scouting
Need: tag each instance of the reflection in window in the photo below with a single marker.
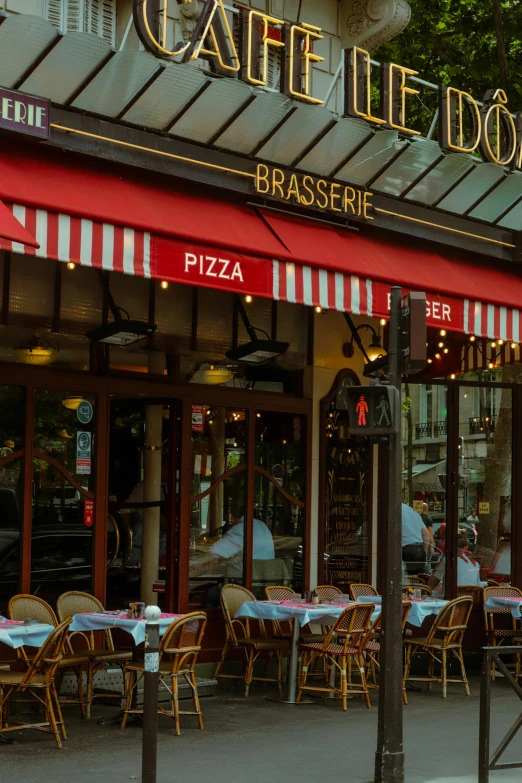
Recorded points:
(485, 470)
(63, 481)
(424, 450)
(12, 412)
(218, 483)
(279, 508)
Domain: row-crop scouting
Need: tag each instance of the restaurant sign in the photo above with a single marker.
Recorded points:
(464, 126)
(24, 113)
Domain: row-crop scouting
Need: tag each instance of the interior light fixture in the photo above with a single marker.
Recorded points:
(164, 284)
(36, 351)
(437, 355)
(249, 299)
(72, 403)
(383, 322)
(513, 345)
(443, 333)
(430, 361)
(258, 350)
(453, 376)
(375, 349)
(71, 265)
(318, 310)
(472, 338)
(441, 345)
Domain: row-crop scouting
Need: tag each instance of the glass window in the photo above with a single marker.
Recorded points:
(424, 449)
(217, 521)
(485, 470)
(12, 421)
(63, 483)
(279, 501)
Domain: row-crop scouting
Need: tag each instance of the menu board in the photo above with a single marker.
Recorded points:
(346, 512)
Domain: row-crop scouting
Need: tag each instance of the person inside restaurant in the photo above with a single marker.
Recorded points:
(468, 570)
(416, 540)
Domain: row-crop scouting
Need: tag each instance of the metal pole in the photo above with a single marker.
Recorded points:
(389, 758)
(150, 696)
(485, 712)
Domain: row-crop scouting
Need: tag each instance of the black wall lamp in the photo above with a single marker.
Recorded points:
(375, 349)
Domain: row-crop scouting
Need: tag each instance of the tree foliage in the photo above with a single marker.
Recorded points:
(469, 44)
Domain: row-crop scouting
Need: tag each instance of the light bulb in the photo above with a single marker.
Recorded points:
(430, 361)
(437, 355)
(383, 321)
(71, 266)
(493, 344)
(441, 345)
(472, 338)
(443, 333)
(318, 310)
(446, 350)
(249, 299)
(164, 284)
(500, 342)
(491, 365)
(513, 345)
(453, 376)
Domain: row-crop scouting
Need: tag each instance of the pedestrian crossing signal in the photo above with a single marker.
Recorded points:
(371, 409)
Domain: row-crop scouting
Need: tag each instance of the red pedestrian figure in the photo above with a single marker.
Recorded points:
(361, 409)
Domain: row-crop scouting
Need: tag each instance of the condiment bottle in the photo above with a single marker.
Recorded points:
(315, 597)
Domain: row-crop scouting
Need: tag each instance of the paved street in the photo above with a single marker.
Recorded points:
(256, 740)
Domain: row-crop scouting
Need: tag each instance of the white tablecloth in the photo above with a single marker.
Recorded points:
(514, 604)
(322, 614)
(419, 609)
(101, 621)
(17, 635)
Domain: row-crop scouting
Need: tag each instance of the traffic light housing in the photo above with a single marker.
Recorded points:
(372, 410)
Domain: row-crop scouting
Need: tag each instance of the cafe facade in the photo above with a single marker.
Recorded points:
(202, 218)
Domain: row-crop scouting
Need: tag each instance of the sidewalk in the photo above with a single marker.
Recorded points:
(255, 740)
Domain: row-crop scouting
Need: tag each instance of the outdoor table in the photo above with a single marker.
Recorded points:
(420, 607)
(501, 602)
(102, 621)
(16, 634)
(299, 615)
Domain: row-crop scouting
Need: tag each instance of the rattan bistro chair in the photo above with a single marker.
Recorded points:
(24, 606)
(178, 653)
(328, 592)
(232, 599)
(445, 636)
(473, 591)
(37, 682)
(373, 646)
(354, 626)
(495, 635)
(74, 602)
(362, 590)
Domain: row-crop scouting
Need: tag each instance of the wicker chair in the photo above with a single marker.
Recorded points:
(495, 635)
(354, 625)
(373, 645)
(362, 590)
(232, 599)
(327, 592)
(445, 636)
(178, 653)
(473, 591)
(74, 602)
(25, 606)
(37, 681)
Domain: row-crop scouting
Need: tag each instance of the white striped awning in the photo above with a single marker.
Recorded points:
(83, 242)
(492, 321)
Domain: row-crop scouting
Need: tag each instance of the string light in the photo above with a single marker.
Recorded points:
(383, 321)
(284, 443)
(443, 333)
(514, 345)
(437, 355)
(164, 284)
(453, 376)
(318, 310)
(258, 415)
(493, 344)
(441, 345)
(446, 350)
(472, 338)
(430, 361)
(71, 266)
(491, 366)
(249, 299)
(500, 342)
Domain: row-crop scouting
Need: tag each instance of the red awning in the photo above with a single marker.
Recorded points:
(121, 219)
(12, 230)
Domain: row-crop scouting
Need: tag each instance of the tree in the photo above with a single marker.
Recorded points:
(472, 45)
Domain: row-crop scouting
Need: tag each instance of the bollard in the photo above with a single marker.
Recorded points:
(150, 696)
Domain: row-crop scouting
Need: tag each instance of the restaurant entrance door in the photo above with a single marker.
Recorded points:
(143, 491)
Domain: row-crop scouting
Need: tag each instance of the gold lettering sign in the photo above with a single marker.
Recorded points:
(300, 60)
(395, 93)
(308, 191)
(358, 86)
(252, 71)
(457, 105)
(499, 135)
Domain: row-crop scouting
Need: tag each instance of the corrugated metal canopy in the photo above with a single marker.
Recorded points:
(189, 103)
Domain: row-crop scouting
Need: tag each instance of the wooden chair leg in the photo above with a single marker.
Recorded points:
(304, 672)
(407, 660)
(344, 684)
(459, 655)
(175, 704)
(51, 718)
(249, 671)
(224, 654)
(431, 670)
(444, 673)
(279, 673)
(61, 721)
(128, 700)
(79, 680)
(90, 686)
(196, 699)
(364, 681)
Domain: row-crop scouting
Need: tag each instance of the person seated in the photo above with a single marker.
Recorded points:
(468, 570)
